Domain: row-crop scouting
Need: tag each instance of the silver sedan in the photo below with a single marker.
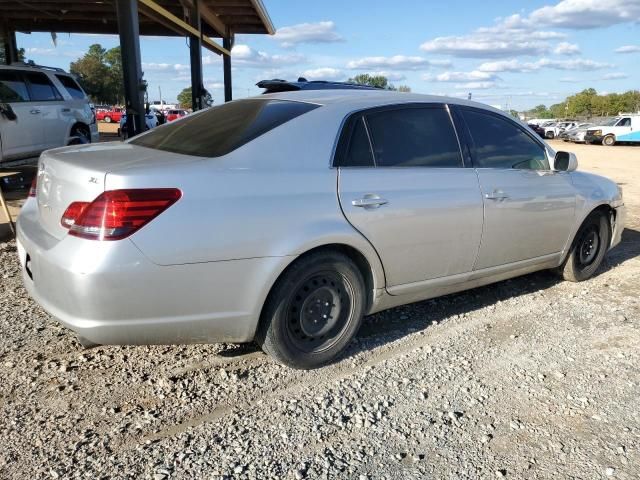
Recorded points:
(286, 218)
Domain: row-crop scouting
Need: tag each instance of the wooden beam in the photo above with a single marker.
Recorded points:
(211, 18)
(206, 41)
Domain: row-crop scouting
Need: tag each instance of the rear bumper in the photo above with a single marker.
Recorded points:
(110, 293)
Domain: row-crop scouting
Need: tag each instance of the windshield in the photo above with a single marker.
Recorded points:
(220, 130)
(610, 122)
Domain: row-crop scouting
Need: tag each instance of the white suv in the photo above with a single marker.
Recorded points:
(41, 108)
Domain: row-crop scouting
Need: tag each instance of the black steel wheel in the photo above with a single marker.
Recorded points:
(313, 311)
(588, 249)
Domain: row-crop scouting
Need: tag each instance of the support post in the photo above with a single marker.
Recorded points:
(195, 54)
(131, 65)
(10, 47)
(227, 43)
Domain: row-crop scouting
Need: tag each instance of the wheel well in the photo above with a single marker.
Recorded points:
(80, 125)
(354, 254)
(610, 213)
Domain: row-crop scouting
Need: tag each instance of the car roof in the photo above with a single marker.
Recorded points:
(370, 98)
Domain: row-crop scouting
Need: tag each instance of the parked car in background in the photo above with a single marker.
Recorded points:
(150, 119)
(540, 128)
(176, 114)
(162, 105)
(624, 128)
(40, 108)
(555, 129)
(114, 114)
(287, 217)
(575, 134)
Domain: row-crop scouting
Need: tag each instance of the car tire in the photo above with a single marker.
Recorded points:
(79, 136)
(107, 119)
(588, 248)
(549, 135)
(609, 140)
(313, 311)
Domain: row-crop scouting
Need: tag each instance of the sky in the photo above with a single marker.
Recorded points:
(512, 54)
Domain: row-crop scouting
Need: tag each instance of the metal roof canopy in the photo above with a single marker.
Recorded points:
(197, 19)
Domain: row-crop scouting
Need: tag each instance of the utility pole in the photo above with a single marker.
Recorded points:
(160, 93)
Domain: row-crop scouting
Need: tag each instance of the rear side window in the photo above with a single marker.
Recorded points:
(358, 152)
(41, 88)
(12, 87)
(500, 143)
(414, 137)
(219, 130)
(72, 86)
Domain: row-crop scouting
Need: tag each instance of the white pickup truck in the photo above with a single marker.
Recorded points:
(624, 128)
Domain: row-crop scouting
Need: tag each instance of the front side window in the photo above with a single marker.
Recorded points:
(414, 137)
(219, 130)
(72, 86)
(12, 87)
(42, 90)
(500, 143)
(625, 122)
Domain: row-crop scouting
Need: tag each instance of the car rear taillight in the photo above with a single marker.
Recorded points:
(72, 213)
(33, 189)
(116, 214)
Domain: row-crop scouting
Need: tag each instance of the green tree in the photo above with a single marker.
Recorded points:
(4, 60)
(184, 98)
(540, 111)
(100, 73)
(379, 81)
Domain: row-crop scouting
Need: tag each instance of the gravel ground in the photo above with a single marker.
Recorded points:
(528, 378)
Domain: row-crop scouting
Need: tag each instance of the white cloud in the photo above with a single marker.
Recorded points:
(584, 14)
(523, 35)
(615, 76)
(483, 45)
(566, 48)
(473, 76)
(164, 67)
(477, 85)
(215, 85)
(628, 49)
(246, 56)
(569, 80)
(319, 32)
(396, 62)
(391, 76)
(515, 66)
(53, 52)
(323, 73)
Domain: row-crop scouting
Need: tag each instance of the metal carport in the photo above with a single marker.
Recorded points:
(201, 21)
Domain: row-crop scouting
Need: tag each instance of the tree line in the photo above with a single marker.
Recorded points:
(589, 103)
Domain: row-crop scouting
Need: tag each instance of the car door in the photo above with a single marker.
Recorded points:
(622, 128)
(24, 135)
(54, 112)
(403, 185)
(528, 208)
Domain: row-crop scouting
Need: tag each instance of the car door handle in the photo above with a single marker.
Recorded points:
(66, 110)
(496, 195)
(369, 201)
(35, 111)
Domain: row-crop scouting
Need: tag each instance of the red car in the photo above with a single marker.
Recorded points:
(176, 114)
(113, 115)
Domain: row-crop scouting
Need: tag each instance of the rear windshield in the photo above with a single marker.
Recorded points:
(220, 130)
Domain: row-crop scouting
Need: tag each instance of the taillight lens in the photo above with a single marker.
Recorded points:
(116, 214)
(72, 213)
(33, 189)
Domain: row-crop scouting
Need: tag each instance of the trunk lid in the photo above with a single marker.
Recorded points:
(78, 173)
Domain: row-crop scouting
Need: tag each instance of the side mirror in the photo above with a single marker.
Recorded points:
(7, 111)
(565, 162)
